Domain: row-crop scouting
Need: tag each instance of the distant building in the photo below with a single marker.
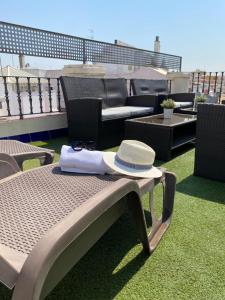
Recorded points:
(129, 71)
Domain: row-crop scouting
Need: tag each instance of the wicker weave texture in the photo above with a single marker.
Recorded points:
(13, 147)
(36, 200)
(210, 145)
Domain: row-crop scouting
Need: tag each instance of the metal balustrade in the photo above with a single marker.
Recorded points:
(34, 95)
(30, 95)
(208, 83)
(23, 40)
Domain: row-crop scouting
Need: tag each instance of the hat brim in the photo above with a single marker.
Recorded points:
(110, 161)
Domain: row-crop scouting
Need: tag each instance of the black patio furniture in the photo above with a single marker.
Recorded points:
(163, 135)
(160, 88)
(210, 142)
(97, 108)
(182, 100)
(148, 86)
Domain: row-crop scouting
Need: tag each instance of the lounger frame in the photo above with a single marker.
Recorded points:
(66, 242)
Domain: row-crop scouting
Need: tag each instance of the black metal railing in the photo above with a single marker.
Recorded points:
(30, 95)
(23, 40)
(208, 83)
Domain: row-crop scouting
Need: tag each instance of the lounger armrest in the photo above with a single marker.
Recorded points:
(8, 165)
(84, 118)
(142, 100)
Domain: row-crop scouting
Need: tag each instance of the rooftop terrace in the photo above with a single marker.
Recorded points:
(186, 265)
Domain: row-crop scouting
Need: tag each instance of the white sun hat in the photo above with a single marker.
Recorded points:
(133, 158)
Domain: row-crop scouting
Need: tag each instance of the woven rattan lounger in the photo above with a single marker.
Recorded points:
(21, 152)
(50, 219)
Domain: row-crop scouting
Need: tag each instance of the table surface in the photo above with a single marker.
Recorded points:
(177, 119)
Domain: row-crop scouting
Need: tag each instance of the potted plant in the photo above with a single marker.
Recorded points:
(168, 107)
(200, 99)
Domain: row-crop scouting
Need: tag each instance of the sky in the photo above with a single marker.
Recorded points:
(193, 29)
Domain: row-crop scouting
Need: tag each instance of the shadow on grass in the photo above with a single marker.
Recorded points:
(56, 144)
(205, 189)
(106, 268)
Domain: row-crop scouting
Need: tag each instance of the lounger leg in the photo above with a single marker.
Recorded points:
(135, 207)
(20, 161)
(159, 226)
(48, 159)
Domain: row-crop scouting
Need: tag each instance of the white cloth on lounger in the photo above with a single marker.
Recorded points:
(84, 161)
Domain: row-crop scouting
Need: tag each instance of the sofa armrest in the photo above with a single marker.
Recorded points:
(143, 100)
(161, 97)
(88, 99)
(84, 118)
(182, 97)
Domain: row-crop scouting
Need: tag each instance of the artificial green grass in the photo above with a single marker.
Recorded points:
(188, 263)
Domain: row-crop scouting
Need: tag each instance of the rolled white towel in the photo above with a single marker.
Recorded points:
(84, 161)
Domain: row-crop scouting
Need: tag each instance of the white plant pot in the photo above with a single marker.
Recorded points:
(167, 113)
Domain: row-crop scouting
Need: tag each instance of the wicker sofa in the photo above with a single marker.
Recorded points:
(160, 88)
(210, 142)
(97, 108)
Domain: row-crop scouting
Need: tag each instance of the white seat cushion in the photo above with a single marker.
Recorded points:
(124, 112)
(183, 104)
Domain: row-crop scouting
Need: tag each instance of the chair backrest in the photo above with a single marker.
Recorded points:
(210, 141)
(112, 91)
(77, 87)
(116, 92)
(182, 97)
(147, 86)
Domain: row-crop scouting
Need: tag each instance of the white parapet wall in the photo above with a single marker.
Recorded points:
(13, 126)
(180, 82)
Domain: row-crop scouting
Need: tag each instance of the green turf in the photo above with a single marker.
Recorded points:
(188, 264)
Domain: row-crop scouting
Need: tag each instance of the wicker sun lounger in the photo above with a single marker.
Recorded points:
(21, 152)
(50, 219)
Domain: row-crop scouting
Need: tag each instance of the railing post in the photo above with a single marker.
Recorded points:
(210, 73)
(198, 81)
(6, 96)
(84, 53)
(30, 95)
(49, 94)
(170, 85)
(19, 98)
(221, 86)
(58, 94)
(215, 83)
(40, 94)
(180, 63)
(193, 78)
(203, 86)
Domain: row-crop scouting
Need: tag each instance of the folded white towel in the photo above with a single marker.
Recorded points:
(84, 161)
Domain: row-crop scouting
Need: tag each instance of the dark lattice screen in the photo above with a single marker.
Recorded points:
(17, 39)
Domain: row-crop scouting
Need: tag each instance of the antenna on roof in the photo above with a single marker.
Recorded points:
(91, 33)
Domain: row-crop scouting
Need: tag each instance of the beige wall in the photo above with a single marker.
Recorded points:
(84, 70)
(179, 82)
